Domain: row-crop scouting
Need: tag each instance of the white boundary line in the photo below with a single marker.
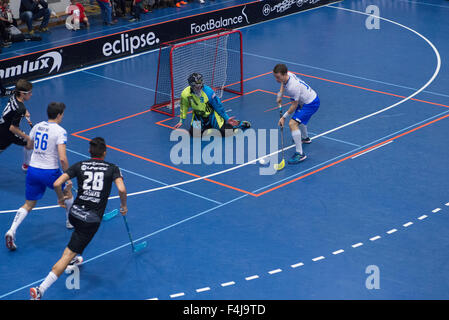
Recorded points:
(368, 151)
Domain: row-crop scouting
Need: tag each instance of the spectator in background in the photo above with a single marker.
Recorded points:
(136, 9)
(121, 5)
(30, 10)
(164, 3)
(106, 12)
(76, 9)
(6, 20)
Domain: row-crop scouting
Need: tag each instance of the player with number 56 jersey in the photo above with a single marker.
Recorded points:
(49, 140)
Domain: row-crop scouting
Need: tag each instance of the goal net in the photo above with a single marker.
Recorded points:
(218, 57)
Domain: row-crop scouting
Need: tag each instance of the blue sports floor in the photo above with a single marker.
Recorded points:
(373, 191)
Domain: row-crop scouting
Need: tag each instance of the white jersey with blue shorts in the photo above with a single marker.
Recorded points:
(44, 165)
(308, 101)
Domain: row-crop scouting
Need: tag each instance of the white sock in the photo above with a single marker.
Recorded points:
(68, 204)
(27, 155)
(304, 132)
(296, 135)
(20, 215)
(49, 280)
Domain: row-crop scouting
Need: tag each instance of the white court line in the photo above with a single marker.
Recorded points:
(357, 245)
(176, 295)
(252, 277)
(275, 271)
(447, 204)
(300, 264)
(392, 231)
(375, 238)
(382, 145)
(338, 251)
(436, 210)
(153, 299)
(318, 258)
(408, 224)
(226, 284)
(422, 217)
(203, 289)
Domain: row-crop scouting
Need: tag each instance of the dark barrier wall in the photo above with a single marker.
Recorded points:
(69, 57)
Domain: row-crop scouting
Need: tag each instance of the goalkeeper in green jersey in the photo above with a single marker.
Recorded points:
(208, 111)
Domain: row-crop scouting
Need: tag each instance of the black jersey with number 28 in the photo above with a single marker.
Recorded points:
(95, 178)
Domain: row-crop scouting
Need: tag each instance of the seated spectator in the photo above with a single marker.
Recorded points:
(106, 12)
(30, 10)
(76, 10)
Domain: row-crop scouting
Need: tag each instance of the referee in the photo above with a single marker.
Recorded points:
(95, 178)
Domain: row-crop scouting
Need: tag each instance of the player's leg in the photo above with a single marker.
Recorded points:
(299, 155)
(26, 158)
(26, 152)
(68, 204)
(307, 111)
(21, 214)
(198, 126)
(67, 256)
(304, 134)
(67, 190)
(6, 139)
(34, 190)
(81, 236)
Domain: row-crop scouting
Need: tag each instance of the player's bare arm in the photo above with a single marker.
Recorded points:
(122, 194)
(16, 130)
(288, 113)
(57, 185)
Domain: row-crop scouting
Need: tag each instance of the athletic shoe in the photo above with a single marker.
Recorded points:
(306, 140)
(68, 225)
(35, 293)
(25, 167)
(43, 29)
(9, 237)
(183, 2)
(76, 261)
(178, 4)
(132, 20)
(297, 158)
(31, 32)
(201, 1)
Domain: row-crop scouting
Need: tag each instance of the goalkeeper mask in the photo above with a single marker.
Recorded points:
(196, 82)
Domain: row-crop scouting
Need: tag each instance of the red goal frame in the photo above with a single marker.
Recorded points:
(160, 106)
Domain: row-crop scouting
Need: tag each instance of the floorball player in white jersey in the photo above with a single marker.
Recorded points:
(305, 103)
(49, 140)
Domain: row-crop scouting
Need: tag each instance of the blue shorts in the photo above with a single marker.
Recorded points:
(38, 180)
(302, 115)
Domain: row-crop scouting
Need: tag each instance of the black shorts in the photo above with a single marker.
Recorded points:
(82, 235)
(7, 138)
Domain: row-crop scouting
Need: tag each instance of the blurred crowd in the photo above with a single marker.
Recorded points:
(26, 27)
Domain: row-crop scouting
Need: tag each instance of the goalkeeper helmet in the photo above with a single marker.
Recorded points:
(196, 81)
